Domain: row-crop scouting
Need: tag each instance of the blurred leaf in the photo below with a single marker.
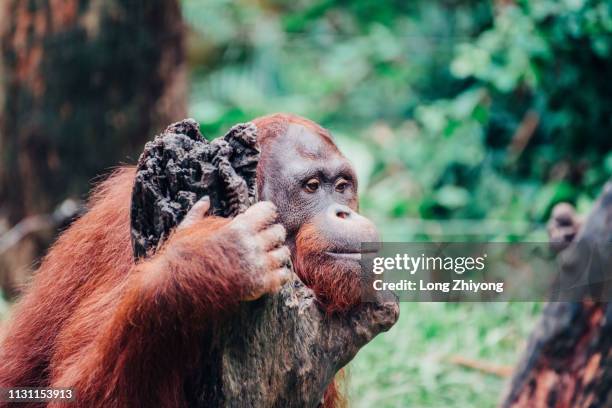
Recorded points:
(550, 195)
(452, 196)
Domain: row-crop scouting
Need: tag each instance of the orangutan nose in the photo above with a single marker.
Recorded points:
(343, 225)
(341, 211)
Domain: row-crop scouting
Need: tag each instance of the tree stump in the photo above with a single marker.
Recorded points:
(281, 350)
(568, 359)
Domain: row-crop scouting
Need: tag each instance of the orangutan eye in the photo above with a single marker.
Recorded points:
(341, 185)
(312, 185)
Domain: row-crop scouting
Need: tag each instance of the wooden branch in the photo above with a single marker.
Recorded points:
(523, 133)
(482, 366)
(67, 210)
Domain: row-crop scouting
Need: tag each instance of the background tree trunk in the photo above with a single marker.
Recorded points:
(84, 83)
(568, 360)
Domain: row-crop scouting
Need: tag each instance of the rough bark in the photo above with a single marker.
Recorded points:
(280, 351)
(568, 359)
(283, 350)
(179, 167)
(83, 84)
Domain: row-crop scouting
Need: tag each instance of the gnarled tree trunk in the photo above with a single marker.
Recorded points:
(568, 360)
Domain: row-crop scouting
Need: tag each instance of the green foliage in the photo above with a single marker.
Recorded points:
(434, 94)
(549, 58)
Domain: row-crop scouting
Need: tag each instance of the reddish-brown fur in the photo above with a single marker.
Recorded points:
(336, 287)
(91, 320)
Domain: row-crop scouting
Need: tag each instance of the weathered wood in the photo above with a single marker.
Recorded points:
(281, 350)
(180, 166)
(568, 359)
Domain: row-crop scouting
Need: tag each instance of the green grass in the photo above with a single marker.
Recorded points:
(410, 365)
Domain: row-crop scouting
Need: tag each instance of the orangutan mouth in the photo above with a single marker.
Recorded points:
(350, 255)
